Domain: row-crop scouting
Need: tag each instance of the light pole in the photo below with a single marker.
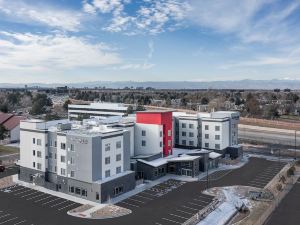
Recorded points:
(295, 144)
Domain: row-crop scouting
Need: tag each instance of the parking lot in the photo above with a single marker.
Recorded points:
(216, 175)
(160, 205)
(263, 178)
(9, 171)
(150, 194)
(42, 200)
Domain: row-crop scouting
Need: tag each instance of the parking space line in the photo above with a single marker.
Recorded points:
(59, 203)
(67, 206)
(171, 220)
(178, 216)
(126, 203)
(184, 212)
(36, 196)
(189, 208)
(200, 201)
(23, 221)
(196, 204)
(22, 192)
(205, 197)
(148, 193)
(29, 194)
(18, 189)
(39, 200)
(5, 215)
(9, 220)
(132, 199)
(140, 196)
(158, 223)
(45, 203)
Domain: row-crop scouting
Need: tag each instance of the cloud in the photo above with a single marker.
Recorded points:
(263, 21)
(19, 11)
(143, 66)
(150, 17)
(31, 52)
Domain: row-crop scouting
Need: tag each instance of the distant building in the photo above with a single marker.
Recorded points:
(12, 124)
(96, 109)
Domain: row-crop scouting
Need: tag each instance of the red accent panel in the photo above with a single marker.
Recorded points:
(161, 118)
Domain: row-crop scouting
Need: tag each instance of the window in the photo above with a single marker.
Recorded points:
(217, 146)
(107, 173)
(160, 133)
(191, 126)
(160, 144)
(97, 196)
(33, 152)
(63, 158)
(206, 145)
(191, 134)
(183, 142)
(118, 190)
(118, 157)
(39, 154)
(72, 160)
(107, 147)
(217, 137)
(191, 143)
(38, 141)
(169, 133)
(217, 128)
(33, 164)
(84, 192)
(72, 148)
(50, 143)
(169, 143)
(107, 160)
(77, 191)
(50, 155)
(183, 125)
(71, 189)
(118, 144)
(33, 140)
(55, 169)
(118, 169)
(143, 133)
(206, 127)
(63, 146)
(62, 171)
(206, 136)
(39, 166)
(183, 134)
(55, 156)
(72, 173)
(55, 144)
(143, 143)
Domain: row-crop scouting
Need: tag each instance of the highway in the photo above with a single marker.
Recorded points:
(269, 135)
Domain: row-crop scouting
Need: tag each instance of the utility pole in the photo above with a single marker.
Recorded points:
(207, 175)
(295, 144)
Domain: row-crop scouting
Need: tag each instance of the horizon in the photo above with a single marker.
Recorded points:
(63, 41)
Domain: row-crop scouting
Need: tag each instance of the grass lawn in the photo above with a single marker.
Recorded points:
(8, 150)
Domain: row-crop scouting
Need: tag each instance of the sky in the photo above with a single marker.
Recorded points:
(77, 41)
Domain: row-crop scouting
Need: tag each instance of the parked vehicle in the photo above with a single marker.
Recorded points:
(2, 168)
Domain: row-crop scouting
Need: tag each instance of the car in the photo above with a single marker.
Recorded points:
(2, 168)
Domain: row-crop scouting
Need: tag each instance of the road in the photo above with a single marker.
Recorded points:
(269, 136)
(287, 212)
(9, 171)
